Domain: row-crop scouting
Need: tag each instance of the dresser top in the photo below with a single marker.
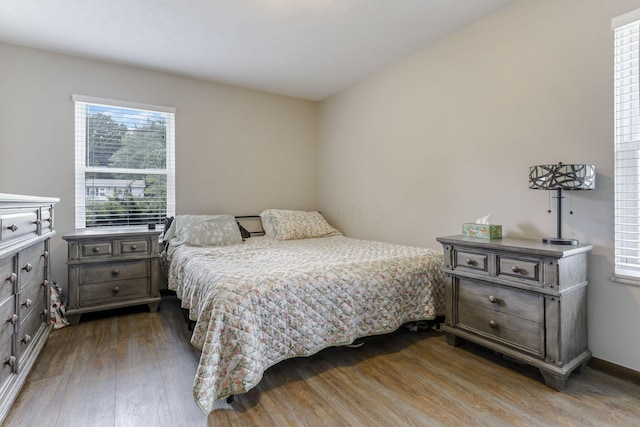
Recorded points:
(110, 232)
(19, 198)
(529, 246)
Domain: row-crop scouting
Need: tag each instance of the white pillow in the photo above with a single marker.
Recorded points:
(204, 230)
(289, 225)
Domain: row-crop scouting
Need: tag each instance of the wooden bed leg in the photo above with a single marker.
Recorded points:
(230, 398)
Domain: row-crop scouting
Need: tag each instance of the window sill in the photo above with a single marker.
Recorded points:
(635, 281)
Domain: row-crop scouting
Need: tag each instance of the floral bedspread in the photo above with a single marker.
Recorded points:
(264, 301)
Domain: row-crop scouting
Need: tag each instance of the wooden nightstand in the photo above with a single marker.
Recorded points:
(521, 298)
(111, 269)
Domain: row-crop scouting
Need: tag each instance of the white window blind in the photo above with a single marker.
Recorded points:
(124, 163)
(627, 146)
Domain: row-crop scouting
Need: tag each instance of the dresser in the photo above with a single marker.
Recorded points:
(111, 268)
(522, 298)
(26, 228)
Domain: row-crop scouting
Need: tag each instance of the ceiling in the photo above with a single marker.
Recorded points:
(307, 49)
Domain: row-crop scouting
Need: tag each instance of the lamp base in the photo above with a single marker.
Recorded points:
(559, 241)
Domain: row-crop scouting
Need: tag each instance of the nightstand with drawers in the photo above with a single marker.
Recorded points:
(111, 269)
(522, 298)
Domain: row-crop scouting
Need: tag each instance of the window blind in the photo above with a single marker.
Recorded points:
(124, 163)
(627, 148)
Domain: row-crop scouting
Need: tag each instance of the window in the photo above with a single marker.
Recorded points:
(125, 163)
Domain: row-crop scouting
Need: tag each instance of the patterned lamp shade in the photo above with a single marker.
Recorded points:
(561, 176)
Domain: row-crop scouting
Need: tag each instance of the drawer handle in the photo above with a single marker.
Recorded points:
(26, 339)
(13, 227)
(12, 278)
(493, 324)
(134, 247)
(13, 319)
(115, 272)
(470, 262)
(116, 289)
(27, 303)
(96, 249)
(516, 269)
(11, 361)
(28, 267)
(37, 222)
(493, 299)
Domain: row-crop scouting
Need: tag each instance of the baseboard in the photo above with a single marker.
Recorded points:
(615, 370)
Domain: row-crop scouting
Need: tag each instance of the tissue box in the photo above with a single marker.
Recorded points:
(485, 231)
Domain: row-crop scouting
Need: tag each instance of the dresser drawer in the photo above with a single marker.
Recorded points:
(523, 269)
(134, 247)
(30, 298)
(478, 262)
(31, 263)
(510, 330)
(526, 305)
(8, 323)
(96, 249)
(6, 336)
(99, 293)
(8, 278)
(17, 224)
(46, 219)
(28, 330)
(109, 272)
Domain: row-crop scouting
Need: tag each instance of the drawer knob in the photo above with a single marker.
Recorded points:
(28, 267)
(46, 254)
(115, 272)
(493, 324)
(13, 319)
(134, 247)
(493, 299)
(515, 269)
(12, 278)
(27, 303)
(11, 361)
(45, 283)
(96, 249)
(116, 289)
(470, 261)
(13, 227)
(37, 222)
(26, 339)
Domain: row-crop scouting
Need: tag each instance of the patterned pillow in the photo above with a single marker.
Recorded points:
(290, 225)
(206, 230)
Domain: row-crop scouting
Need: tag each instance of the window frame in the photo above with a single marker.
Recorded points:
(626, 44)
(81, 168)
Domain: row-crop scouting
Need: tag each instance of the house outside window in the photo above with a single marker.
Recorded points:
(125, 163)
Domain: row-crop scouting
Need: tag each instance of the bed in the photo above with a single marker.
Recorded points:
(255, 301)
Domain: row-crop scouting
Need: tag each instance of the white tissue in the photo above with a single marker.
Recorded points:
(483, 219)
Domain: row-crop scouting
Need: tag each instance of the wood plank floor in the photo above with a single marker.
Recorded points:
(135, 368)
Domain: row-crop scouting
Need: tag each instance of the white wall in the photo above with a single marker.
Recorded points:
(448, 134)
(238, 151)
